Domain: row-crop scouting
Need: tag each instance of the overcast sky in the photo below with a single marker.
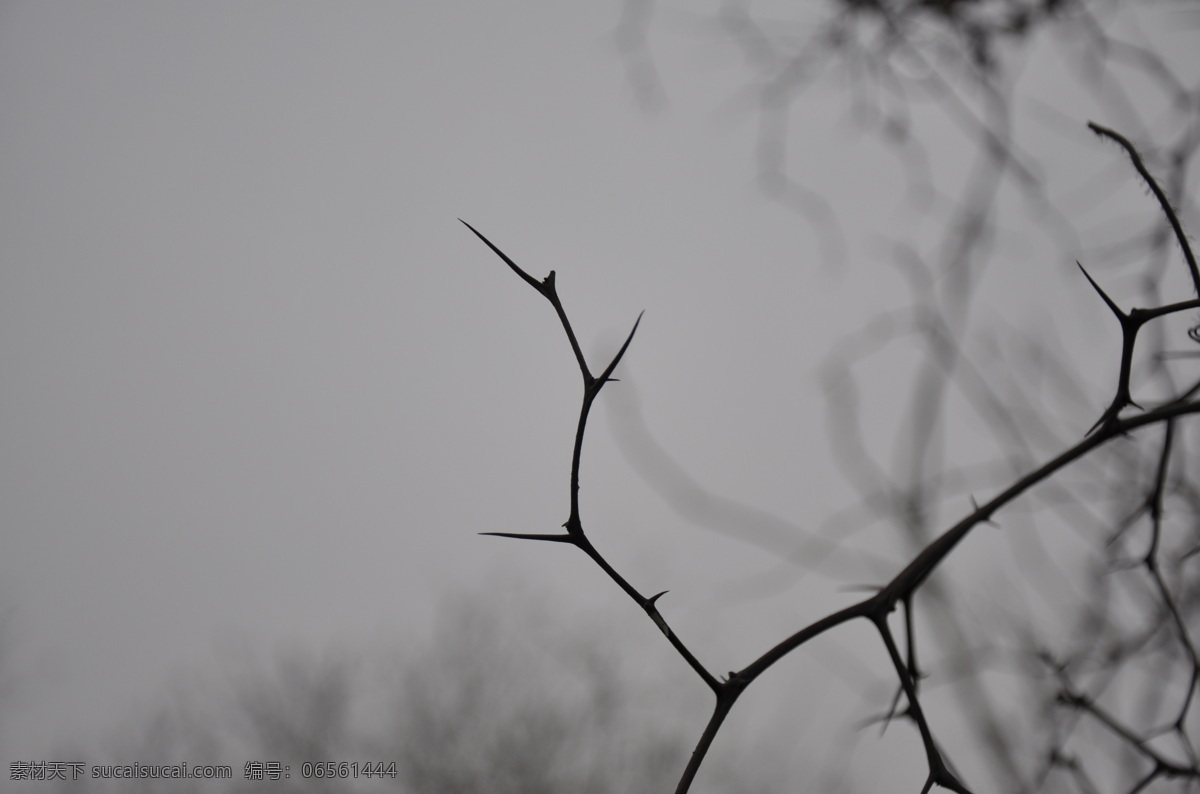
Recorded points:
(260, 384)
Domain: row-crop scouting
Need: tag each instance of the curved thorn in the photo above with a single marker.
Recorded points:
(617, 358)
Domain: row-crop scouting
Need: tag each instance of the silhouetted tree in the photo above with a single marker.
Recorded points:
(455, 712)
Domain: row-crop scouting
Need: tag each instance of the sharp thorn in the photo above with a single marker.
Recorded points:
(1109, 301)
(533, 282)
(529, 536)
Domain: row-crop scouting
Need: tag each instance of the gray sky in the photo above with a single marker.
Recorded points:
(261, 384)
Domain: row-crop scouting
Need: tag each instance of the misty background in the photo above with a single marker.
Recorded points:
(262, 390)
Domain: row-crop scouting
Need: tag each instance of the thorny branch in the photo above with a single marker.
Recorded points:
(902, 587)
(574, 524)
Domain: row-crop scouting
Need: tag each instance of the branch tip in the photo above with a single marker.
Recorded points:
(1163, 202)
